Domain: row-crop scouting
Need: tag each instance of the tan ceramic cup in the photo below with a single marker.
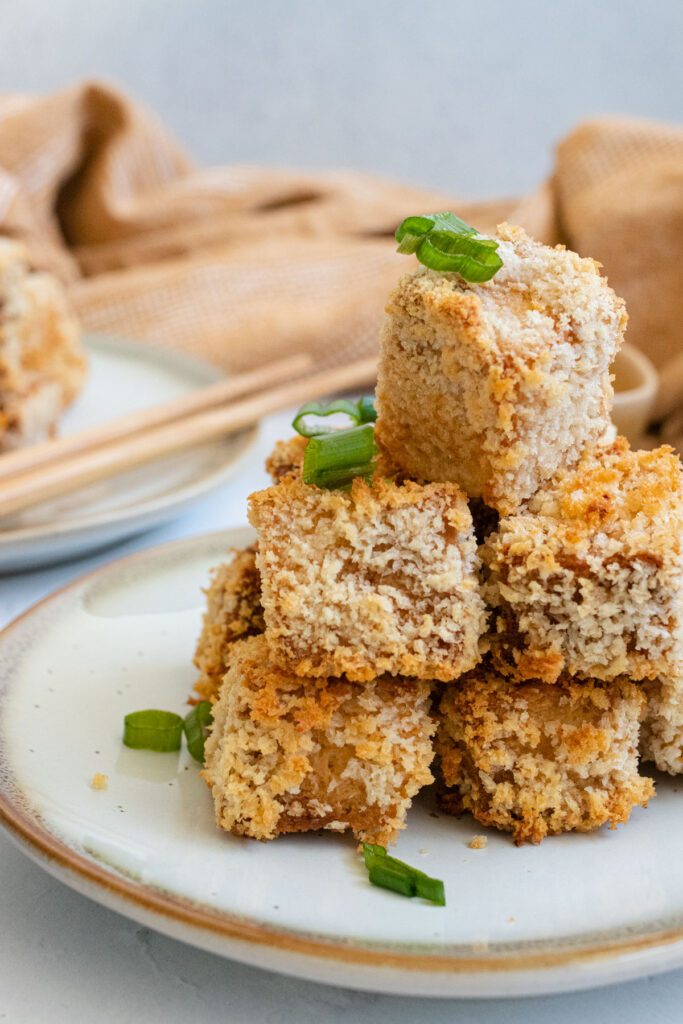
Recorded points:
(635, 387)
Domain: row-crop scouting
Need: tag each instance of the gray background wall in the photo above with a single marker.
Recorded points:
(464, 95)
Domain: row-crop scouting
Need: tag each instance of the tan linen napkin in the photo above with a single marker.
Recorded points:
(240, 264)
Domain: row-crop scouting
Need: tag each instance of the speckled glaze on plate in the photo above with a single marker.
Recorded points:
(123, 376)
(577, 911)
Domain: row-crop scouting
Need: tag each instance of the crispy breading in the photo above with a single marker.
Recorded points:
(533, 759)
(589, 579)
(381, 579)
(233, 611)
(287, 754)
(42, 364)
(662, 732)
(286, 458)
(497, 385)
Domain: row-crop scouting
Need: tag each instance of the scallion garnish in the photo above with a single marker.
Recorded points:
(391, 873)
(153, 730)
(442, 241)
(367, 410)
(334, 460)
(196, 726)
(362, 411)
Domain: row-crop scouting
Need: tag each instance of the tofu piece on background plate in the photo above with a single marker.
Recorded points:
(533, 759)
(589, 579)
(287, 754)
(42, 363)
(498, 385)
(378, 579)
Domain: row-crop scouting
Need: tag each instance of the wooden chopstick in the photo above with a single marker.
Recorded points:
(81, 469)
(28, 459)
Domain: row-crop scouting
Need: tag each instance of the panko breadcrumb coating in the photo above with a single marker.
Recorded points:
(42, 365)
(533, 759)
(381, 579)
(589, 579)
(286, 458)
(497, 385)
(233, 612)
(287, 754)
(662, 731)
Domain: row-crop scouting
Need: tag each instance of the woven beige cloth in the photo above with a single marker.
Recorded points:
(240, 264)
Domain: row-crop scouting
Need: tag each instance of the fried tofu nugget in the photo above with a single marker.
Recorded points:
(497, 385)
(533, 759)
(233, 612)
(589, 580)
(42, 363)
(287, 754)
(378, 579)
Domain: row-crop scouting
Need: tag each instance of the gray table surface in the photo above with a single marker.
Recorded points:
(65, 959)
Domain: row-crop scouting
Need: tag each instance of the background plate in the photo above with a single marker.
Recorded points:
(575, 912)
(124, 376)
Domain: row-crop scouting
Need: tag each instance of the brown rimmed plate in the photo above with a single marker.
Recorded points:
(576, 912)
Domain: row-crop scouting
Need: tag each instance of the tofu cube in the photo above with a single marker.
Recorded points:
(589, 579)
(379, 579)
(498, 385)
(287, 754)
(533, 759)
(42, 363)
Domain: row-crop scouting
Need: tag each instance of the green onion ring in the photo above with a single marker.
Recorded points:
(343, 405)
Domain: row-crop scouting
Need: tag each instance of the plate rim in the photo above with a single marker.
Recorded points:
(143, 510)
(83, 874)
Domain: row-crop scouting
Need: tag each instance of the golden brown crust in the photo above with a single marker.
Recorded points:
(589, 579)
(233, 611)
(496, 385)
(535, 759)
(286, 458)
(287, 754)
(381, 579)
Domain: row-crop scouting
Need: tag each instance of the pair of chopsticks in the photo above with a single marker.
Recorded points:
(53, 468)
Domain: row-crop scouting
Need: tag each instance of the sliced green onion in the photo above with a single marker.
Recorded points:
(362, 411)
(153, 730)
(334, 460)
(196, 727)
(391, 873)
(412, 230)
(386, 878)
(444, 242)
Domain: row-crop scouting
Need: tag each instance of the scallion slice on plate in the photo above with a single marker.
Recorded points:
(390, 873)
(153, 730)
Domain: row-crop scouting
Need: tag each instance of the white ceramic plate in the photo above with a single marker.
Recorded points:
(575, 912)
(124, 376)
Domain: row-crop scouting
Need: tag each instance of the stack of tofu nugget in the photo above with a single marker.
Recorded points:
(504, 594)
